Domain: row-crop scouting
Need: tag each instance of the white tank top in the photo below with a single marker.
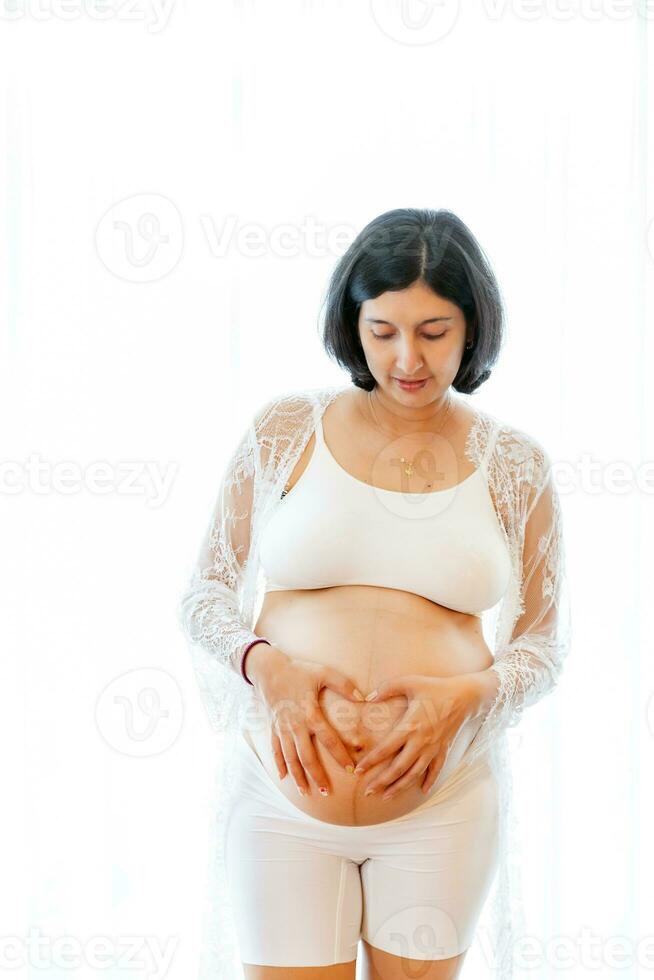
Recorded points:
(334, 529)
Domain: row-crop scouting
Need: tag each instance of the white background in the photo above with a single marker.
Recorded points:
(177, 184)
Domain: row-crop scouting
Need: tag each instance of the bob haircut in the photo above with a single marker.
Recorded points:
(392, 252)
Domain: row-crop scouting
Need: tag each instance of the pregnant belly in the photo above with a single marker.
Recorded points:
(370, 635)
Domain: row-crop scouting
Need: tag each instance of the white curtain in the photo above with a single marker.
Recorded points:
(178, 181)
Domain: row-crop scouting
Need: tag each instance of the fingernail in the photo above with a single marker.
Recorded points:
(324, 790)
(359, 770)
(387, 796)
(301, 791)
(369, 792)
(373, 694)
(358, 696)
(350, 768)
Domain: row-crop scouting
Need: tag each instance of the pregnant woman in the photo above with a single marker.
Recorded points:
(366, 541)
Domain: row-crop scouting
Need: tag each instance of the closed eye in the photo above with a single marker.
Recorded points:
(387, 336)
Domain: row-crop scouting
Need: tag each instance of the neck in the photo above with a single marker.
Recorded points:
(395, 415)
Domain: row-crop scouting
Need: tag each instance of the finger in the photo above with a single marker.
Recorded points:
(380, 752)
(278, 755)
(433, 772)
(397, 687)
(293, 762)
(336, 681)
(328, 737)
(410, 778)
(393, 771)
(311, 763)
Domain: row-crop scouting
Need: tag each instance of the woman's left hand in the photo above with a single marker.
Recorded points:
(437, 708)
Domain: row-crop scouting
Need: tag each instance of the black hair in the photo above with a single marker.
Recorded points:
(392, 252)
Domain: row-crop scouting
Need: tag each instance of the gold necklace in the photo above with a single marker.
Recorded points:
(408, 469)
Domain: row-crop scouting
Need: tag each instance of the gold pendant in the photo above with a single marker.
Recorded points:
(407, 469)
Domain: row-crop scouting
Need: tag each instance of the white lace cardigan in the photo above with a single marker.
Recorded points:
(530, 626)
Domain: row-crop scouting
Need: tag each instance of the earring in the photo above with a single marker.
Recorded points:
(469, 345)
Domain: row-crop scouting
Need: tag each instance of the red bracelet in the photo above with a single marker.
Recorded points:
(245, 653)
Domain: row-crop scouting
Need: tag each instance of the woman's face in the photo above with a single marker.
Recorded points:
(396, 331)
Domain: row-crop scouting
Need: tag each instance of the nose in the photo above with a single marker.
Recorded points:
(409, 360)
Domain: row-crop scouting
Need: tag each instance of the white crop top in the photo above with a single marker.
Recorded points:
(334, 529)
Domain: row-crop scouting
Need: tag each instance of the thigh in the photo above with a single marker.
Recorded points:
(342, 971)
(379, 965)
(427, 879)
(296, 901)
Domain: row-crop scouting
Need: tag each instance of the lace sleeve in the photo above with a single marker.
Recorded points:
(529, 666)
(209, 611)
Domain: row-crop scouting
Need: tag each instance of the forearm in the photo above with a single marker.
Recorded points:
(261, 659)
(522, 673)
(485, 685)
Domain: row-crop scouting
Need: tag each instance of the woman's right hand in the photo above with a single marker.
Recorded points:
(289, 689)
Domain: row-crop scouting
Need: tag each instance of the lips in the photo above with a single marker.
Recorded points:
(411, 385)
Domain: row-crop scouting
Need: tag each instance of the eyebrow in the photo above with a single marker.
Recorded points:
(433, 319)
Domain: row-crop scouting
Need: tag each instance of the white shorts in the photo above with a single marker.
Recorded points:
(305, 891)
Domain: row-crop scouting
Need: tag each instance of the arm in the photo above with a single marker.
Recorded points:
(210, 610)
(529, 666)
